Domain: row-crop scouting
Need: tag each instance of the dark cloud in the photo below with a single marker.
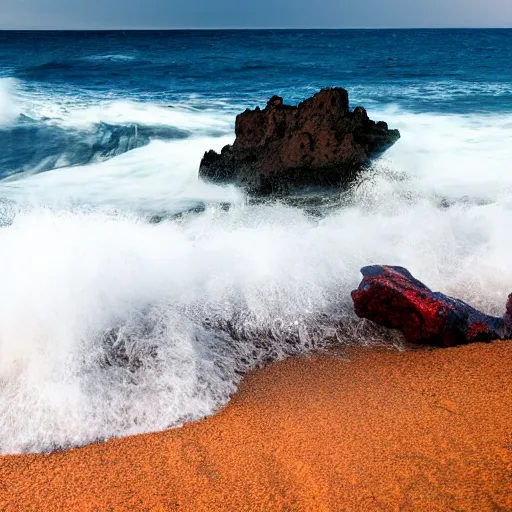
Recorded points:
(101, 14)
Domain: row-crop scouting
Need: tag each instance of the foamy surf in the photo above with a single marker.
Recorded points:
(158, 178)
(77, 109)
(110, 325)
(50, 130)
(9, 109)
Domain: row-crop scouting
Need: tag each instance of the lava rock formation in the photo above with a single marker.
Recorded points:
(283, 148)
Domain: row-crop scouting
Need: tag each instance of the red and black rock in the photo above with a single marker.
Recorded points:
(284, 148)
(392, 297)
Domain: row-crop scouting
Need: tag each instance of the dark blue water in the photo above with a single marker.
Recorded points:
(448, 71)
(444, 70)
(112, 324)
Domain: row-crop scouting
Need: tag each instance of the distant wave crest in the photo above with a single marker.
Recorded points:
(9, 109)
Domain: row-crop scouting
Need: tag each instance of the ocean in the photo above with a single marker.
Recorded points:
(134, 296)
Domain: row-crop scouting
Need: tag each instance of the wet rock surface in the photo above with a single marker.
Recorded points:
(392, 297)
(283, 148)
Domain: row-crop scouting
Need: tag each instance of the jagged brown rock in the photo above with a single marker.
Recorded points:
(320, 142)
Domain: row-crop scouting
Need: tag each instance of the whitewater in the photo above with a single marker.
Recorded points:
(134, 296)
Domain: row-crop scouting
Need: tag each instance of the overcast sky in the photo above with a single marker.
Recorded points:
(103, 14)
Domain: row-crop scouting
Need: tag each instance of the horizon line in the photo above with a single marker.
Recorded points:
(199, 29)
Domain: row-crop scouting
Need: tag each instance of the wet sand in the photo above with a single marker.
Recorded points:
(372, 430)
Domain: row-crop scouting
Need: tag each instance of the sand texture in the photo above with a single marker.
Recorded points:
(371, 430)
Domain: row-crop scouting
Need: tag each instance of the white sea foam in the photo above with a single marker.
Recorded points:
(110, 325)
(442, 90)
(452, 156)
(131, 112)
(160, 177)
(111, 57)
(74, 129)
(83, 109)
(9, 109)
(119, 112)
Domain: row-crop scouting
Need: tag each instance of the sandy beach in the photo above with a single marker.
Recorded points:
(361, 430)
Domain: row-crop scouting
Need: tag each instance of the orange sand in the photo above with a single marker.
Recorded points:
(414, 431)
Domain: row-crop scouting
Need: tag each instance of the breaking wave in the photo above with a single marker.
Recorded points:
(9, 110)
(44, 131)
(112, 324)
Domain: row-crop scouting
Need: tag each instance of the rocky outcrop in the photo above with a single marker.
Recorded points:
(392, 297)
(281, 148)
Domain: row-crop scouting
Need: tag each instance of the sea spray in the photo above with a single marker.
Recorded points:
(160, 178)
(129, 326)
(9, 109)
(110, 325)
(134, 296)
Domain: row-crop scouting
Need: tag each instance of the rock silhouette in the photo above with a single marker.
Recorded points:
(392, 297)
(282, 148)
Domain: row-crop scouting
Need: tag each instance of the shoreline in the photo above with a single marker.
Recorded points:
(373, 429)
